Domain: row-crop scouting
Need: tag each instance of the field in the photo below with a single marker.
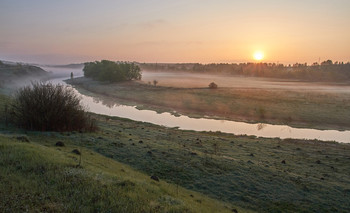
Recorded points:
(196, 80)
(36, 175)
(294, 104)
(245, 173)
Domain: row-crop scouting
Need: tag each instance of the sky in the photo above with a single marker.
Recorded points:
(181, 31)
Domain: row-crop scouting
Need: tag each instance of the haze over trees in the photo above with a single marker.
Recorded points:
(14, 71)
(326, 71)
(112, 71)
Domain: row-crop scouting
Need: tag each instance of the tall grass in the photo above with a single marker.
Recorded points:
(48, 107)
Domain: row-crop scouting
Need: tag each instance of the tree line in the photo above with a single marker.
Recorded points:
(112, 71)
(325, 71)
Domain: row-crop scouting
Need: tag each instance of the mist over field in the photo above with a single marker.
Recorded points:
(193, 80)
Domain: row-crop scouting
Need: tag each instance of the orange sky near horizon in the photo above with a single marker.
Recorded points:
(175, 31)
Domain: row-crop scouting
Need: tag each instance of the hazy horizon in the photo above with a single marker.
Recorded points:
(193, 31)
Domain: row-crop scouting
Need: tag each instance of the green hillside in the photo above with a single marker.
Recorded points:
(47, 178)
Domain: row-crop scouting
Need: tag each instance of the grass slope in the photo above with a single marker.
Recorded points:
(34, 178)
(10, 72)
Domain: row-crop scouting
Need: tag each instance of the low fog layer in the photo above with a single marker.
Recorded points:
(190, 80)
(61, 72)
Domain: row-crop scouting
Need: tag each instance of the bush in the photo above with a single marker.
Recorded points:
(112, 71)
(49, 107)
(213, 85)
(155, 82)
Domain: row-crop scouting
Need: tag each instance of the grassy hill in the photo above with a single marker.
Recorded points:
(38, 176)
(19, 70)
(46, 178)
(12, 74)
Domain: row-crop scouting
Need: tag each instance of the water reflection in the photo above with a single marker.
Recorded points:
(105, 101)
(260, 126)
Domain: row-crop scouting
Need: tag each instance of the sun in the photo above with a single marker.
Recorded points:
(258, 55)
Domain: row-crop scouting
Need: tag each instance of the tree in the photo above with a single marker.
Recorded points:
(71, 75)
(213, 85)
(112, 71)
(328, 62)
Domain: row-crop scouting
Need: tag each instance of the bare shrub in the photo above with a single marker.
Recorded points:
(49, 107)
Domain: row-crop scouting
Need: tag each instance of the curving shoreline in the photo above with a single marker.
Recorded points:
(254, 107)
(106, 106)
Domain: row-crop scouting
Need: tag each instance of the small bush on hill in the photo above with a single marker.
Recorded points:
(112, 71)
(49, 107)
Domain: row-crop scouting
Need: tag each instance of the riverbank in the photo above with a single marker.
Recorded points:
(265, 175)
(318, 110)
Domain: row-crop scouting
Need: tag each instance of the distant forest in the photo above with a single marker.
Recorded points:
(326, 71)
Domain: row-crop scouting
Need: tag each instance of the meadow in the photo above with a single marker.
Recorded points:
(48, 172)
(238, 172)
(307, 106)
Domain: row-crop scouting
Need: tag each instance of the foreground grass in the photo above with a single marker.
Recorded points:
(47, 179)
(302, 109)
(266, 175)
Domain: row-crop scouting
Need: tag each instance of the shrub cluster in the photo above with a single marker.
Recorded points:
(49, 107)
(112, 71)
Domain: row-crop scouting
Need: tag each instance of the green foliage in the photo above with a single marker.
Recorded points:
(112, 71)
(49, 107)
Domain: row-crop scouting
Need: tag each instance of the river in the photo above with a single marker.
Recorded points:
(204, 124)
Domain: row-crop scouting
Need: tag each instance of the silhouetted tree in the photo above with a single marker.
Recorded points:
(328, 62)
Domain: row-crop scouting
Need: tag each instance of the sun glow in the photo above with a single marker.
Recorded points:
(258, 55)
